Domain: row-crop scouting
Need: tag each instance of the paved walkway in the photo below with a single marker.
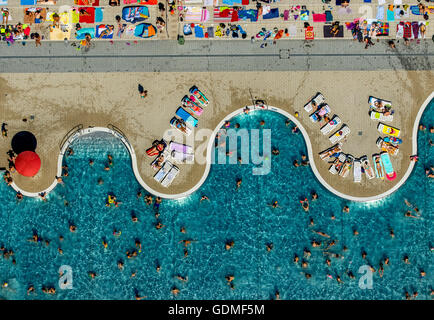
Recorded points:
(199, 56)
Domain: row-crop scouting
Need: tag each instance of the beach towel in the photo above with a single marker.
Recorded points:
(134, 14)
(415, 28)
(204, 15)
(29, 15)
(319, 17)
(285, 15)
(223, 14)
(328, 28)
(250, 14)
(407, 30)
(88, 17)
(81, 34)
(329, 16)
(367, 1)
(99, 29)
(383, 29)
(304, 15)
(210, 31)
(234, 16)
(292, 30)
(198, 31)
(309, 34)
(147, 2)
(75, 16)
(415, 10)
(390, 15)
(64, 18)
(144, 30)
(3, 2)
(98, 14)
(93, 3)
(60, 35)
(400, 30)
(46, 3)
(338, 2)
(187, 29)
(193, 14)
(28, 2)
(274, 13)
(380, 13)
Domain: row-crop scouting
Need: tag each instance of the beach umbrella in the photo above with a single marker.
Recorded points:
(27, 163)
(23, 141)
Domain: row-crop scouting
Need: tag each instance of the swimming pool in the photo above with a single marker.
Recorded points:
(242, 216)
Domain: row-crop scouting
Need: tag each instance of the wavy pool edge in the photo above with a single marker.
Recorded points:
(209, 155)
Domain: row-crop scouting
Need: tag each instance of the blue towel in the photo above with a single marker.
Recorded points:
(329, 16)
(274, 13)
(390, 15)
(98, 15)
(28, 2)
(367, 1)
(248, 14)
(415, 10)
(81, 34)
(198, 32)
(380, 13)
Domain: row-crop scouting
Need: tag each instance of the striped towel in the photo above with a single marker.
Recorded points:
(223, 14)
(193, 14)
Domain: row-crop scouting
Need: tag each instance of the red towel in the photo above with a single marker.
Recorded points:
(87, 3)
(224, 13)
(319, 17)
(87, 18)
(234, 16)
(407, 30)
(244, 2)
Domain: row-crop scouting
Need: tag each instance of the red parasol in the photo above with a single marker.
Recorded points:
(28, 163)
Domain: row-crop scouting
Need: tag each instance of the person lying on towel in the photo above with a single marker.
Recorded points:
(107, 31)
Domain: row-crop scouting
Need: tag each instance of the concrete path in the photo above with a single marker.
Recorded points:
(203, 56)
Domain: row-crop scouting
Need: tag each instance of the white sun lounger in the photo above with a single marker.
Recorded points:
(357, 171)
(161, 174)
(346, 167)
(340, 134)
(317, 100)
(387, 146)
(366, 165)
(179, 147)
(329, 126)
(170, 176)
(181, 157)
(337, 165)
(380, 116)
(327, 154)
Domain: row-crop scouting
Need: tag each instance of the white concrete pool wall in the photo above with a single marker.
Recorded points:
(81, 132)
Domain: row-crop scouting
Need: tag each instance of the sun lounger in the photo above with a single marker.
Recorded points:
(331, 152)
(333, 123)
(160, 158)
(346, 167)
(388, 168)
(340, 134)
(337, 165)
(199, 95)
(187, 117)
(168, 179)
(378, 166)
(357, 171)
(180, 125)
(191, 105)
(314, 102)
(380, 116)
(319, 114)
(179, 147)
(181, 157)
(391, 131)
(379, 105)
(159, 176)
(367, 168)
(387, 146)
(393, 140)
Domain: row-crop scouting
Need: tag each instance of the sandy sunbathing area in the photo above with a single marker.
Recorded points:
(60, 101)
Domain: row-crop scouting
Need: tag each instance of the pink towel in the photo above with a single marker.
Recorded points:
(319, 17)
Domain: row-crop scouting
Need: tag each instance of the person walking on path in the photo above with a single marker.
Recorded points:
(142, 91)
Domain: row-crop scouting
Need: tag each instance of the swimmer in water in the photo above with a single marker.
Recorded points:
(157, 203)
(305, 204)
(91, 162)
(296, 258)
(183, 230)
(159, 226)
(269, 246)
(262, 123)
(295, 163)
(148, 199)
(274, 205)
(346, 209)
(314, 195)
(239, 183)
(405, 259)
(204, 197)
(104, 243)
(409, 215)
(229, 244)
(321, 233)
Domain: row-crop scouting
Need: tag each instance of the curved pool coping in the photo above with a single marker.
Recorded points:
(130, 149)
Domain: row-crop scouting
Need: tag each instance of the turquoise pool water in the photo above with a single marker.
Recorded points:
(242, 216)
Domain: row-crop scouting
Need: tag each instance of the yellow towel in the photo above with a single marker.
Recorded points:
(75, 16)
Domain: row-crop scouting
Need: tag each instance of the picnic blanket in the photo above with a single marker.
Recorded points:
(327, 32)
(319, 17)
(87, 15)
(251, 14)
(99, 29)
(274, 13)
